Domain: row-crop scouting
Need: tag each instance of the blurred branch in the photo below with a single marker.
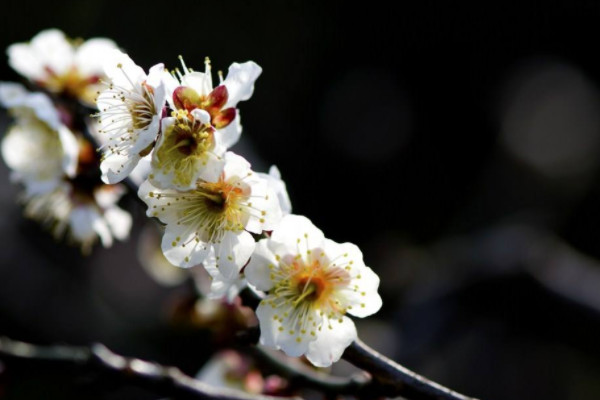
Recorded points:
(300, 375)
(167, 381)
(392, 380)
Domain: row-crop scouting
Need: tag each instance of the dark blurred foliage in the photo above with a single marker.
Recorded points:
(457, 145)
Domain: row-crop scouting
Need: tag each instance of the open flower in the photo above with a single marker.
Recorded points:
(81, 214)
(194, 90)
(212, 222)
(62, 66)
(130, 112)
(312, 283)
(188, 150)
(37, 147)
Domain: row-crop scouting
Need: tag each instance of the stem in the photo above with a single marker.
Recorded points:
(392, 379)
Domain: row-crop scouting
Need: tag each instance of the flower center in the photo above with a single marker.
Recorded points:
(218, 207)
(311, 285)
(185, 143)
(72, 83)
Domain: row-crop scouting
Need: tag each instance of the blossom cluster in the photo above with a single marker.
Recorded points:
(216, 210)
(45, 147)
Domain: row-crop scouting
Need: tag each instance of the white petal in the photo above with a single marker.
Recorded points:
(170, 83)
(331, 343)
(70, 149)
(119, 222)
(199, 81)
(298, 234)
(107, 196)
(222, 287)
(25, 61)
(233, 252)
(37, 188)
(231, 133)
(363, 296)
(33, 151)
(86, 222)
(92, 54)
(185, 252)
(48, 49)
(257, 271)
(278, 185)
(240, 82)
(14, 95)
(268, 328)
(286, 338)
(155, 79)
(116, 167)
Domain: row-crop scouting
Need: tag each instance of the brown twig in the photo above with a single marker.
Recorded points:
(166, 381)
(392, 380)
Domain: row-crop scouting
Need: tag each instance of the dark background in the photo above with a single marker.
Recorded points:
(457, 145)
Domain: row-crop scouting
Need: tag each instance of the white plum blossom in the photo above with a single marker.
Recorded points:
(312, 283)
(60, 65)
(188, 149)
(80, 215)
(130, 110)
(194, 90)
(212, 223)
(37, 147)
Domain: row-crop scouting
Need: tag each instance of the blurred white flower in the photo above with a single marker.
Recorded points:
(194, 90)
(212, 222)
(312, 282)
(60, 65)
(228, 369)
(80, 214)
(37, 147)
(130, 110)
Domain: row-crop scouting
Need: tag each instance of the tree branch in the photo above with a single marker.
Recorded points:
(167, 381)
(392, 379)
(301, 375)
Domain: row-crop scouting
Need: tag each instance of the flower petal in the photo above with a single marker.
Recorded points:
(331, 342)
(258, 271)
(240, 81)
(233, 252)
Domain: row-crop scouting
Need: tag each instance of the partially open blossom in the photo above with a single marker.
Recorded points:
(312, 283)
(130, 109)
(213, 221)
(194, 90)
(60, 65)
